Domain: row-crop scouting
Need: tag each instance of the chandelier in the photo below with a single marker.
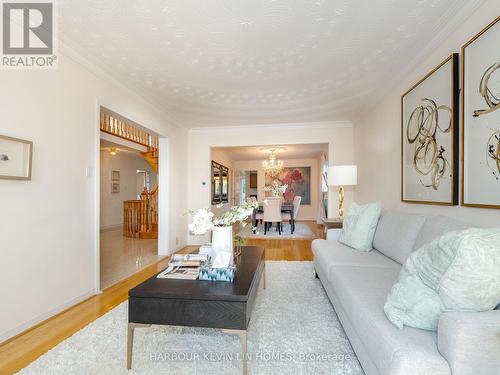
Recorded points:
(272, 167)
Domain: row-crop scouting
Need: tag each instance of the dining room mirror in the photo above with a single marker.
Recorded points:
(220, 183)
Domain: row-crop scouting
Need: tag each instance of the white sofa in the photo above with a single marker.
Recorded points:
(357, 284)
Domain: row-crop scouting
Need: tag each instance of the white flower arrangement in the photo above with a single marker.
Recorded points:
(202, 221)
(205, 220)
(276, 188)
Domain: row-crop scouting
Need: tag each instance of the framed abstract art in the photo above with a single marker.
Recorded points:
(481, 119)
(429, 137)
(298, 180)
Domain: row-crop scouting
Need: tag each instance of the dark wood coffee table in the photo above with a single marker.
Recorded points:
(194, 303)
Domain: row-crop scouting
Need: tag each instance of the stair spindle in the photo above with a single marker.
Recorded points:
(122, 129)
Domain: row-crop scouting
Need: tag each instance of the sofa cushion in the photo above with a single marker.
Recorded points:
(470, 341)
(362, 292)
(456, 272)
(435, 226)
(359, 226)
(323, 257)
(396, 234)
(333, 253)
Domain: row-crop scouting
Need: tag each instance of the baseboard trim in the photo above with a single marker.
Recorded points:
(14, 333)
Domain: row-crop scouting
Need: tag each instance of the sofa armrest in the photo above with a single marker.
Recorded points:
(470, 341)
(333, 234)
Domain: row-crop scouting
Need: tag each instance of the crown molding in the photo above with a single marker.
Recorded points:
(284, 126)
(185, 115)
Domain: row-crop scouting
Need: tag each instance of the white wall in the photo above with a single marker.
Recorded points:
(377, 135)
(49, 224)
(306, 212)
(111, 213)
(338, 135)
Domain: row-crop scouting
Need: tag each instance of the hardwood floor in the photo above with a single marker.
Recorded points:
(21, 350)
(288, 249)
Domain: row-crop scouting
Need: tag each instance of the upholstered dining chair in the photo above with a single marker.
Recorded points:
(296, 205)
(272, 213)
(259, 215)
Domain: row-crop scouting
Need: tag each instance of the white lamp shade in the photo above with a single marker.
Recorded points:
(342, 175)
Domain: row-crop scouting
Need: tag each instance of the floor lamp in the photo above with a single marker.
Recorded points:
(342, 175)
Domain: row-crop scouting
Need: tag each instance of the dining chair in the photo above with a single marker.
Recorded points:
(272, 213)
(258, 216)
(296, 205)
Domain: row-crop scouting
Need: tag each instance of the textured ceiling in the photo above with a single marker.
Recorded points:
(230, 62)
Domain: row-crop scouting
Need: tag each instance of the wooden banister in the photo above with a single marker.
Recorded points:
(119, 128)
(131, 218)
(140, 217)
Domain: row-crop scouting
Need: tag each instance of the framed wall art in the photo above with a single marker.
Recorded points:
(115, 187)
(298, 180)
(115, 175)
(15, 158)
(481, 119)
(429, 137)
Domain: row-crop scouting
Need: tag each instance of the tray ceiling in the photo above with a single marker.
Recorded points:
(230, 62)
(297, 151)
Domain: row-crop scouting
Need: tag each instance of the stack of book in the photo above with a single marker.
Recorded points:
(206, 249)
(184, 267)
(189, 258)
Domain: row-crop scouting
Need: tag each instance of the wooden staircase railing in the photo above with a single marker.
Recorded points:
(140, 217)
(152, 158)
(132, 218)
(119, 128)
(124, 130)
(149, 223)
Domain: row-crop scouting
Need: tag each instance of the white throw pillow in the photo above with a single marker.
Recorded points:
(360, 223)
(458, 271)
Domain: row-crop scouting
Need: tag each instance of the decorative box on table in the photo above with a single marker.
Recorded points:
(227, 274)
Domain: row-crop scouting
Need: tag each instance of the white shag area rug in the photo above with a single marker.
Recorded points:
(302, 231)
(293, 330)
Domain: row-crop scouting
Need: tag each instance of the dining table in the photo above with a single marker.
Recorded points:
(286, 207)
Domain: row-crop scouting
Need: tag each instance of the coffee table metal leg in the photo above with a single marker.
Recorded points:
(130, 341)
(243, 338)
